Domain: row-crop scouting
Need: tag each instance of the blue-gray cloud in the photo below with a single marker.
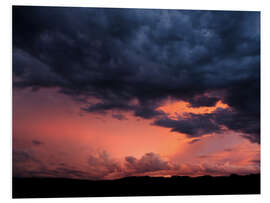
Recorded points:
(121, 55)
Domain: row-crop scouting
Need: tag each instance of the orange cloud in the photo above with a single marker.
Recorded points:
(174, 108)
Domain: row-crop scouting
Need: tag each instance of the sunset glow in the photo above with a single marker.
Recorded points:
(106, 95)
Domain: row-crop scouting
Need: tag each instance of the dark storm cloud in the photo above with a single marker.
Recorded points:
(247, 123)
(119, 56)
(146, 112)
(193, 126)
(143, 110)
(103, 107)
(196, 125)
(203, 101)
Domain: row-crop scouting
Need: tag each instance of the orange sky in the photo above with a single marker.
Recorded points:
(70, 136)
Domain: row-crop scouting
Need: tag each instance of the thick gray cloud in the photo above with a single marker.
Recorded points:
(196, 125)
(121, 55)
(203, 101)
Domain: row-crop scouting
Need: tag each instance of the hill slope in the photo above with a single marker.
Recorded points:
(136, 186)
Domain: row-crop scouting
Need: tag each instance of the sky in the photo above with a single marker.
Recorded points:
(102, 93)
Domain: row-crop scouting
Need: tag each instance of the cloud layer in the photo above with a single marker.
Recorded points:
(101, 166)
(135, 59)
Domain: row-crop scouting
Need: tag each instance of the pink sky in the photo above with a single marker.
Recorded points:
(52, 136)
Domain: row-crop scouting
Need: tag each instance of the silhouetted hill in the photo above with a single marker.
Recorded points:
(136, 186)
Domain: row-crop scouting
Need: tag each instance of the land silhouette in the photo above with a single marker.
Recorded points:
(136, 186)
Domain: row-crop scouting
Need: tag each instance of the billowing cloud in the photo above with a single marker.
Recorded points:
(147, 163)
(118, 56)
(99, 166)
(102, 165)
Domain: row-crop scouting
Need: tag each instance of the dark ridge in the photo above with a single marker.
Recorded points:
(136, 186)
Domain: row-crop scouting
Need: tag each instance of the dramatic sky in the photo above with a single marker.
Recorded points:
(107, 93)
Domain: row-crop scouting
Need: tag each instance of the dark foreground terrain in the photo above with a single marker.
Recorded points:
(136, 186)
